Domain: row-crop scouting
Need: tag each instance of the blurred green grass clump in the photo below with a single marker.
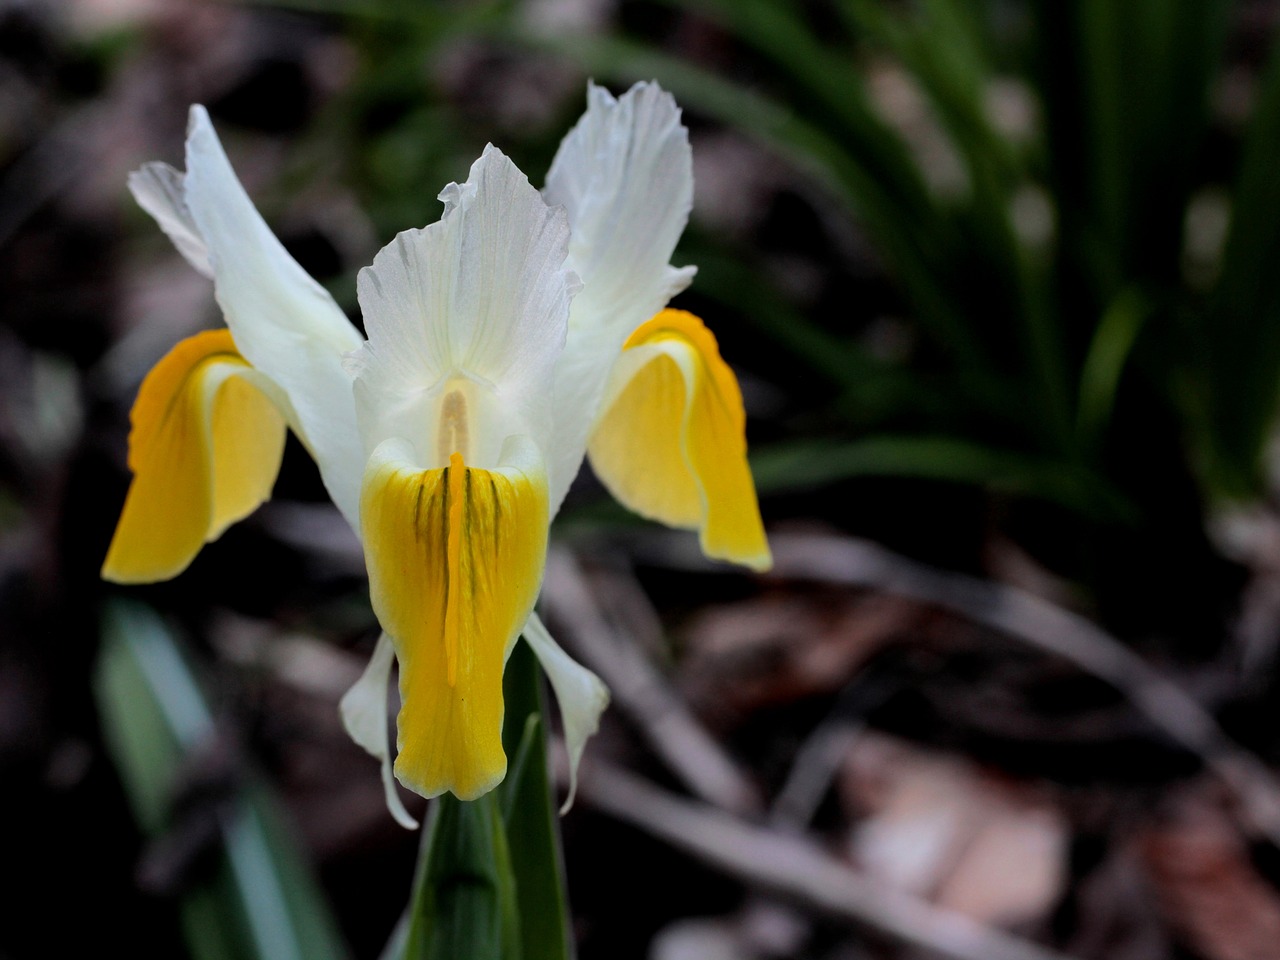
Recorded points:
(1028, 248)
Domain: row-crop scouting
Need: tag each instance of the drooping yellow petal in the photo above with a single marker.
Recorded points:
(671, 444)
(455, 558)
(204, 448)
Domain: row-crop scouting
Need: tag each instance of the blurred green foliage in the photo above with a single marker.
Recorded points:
(257, 899)
(1067, 350)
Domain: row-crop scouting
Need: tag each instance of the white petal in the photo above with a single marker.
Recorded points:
(625, 176)
(364, 714)
(160, 190)
(582, 696)
(284, 323)
(482, 297)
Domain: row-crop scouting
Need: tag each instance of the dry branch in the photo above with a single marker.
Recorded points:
(797, 870)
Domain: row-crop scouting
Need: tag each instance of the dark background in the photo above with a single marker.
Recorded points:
(999, 281)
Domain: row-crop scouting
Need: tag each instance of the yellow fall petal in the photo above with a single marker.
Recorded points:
(671, 444)
(204, 447)
(455, 558)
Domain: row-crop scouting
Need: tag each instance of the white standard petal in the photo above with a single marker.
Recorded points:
(364, 714)
(625, 176)
(465, 319)
(283, 322)
(582, 696)
(161, 191)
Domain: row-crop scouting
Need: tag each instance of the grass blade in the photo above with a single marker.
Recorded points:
(262, 901)
(463, 902)
(1242, 332)
(529, 813)
(810, 464)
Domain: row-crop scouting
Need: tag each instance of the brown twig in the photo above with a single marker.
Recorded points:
(858, 563)
(796, 869)
(641, 691)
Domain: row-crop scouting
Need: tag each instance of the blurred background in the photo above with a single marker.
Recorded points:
(1001, 282)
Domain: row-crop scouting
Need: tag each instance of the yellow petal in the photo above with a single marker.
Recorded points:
(455, 559)
(204, 448)
(671, 444)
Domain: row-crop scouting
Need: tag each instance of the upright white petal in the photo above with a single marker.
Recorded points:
(625, 176)
(283, 322)
(161, 191)
(473, 306)
(364, 714)
(581, 695)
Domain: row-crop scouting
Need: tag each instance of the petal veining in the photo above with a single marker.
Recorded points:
(624, 174)
(477, 302)
(671, 442)
(205, 447)
(455, 558)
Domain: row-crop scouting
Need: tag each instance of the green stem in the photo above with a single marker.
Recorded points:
(490, 878)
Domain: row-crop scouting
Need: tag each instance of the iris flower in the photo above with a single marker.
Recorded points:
(516, 335)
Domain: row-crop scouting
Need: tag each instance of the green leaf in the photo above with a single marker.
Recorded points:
(737, 284)
(1125, 88)
(828, 88)
(529, 811)
(463, 905)
(490, 882)
(809, 464)
(1242, 333)
(985, 270)
(1109, 351)
(261, 901)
